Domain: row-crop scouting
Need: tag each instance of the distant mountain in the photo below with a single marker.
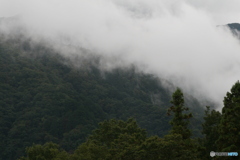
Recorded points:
(234, 26)
(44, 97)
(235, 29)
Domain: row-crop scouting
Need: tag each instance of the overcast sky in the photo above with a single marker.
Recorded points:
(220, 11)
(174, 39)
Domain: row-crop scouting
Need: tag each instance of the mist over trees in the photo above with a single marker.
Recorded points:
(45, 98)
(52, 108)
(57, 111)
(144, 33)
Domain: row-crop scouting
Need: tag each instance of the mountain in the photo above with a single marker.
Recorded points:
(47, 97)
(234, 26)
(235, 29)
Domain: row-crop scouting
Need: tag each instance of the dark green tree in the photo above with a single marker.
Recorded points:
(170, 147)
(210, 131)
(115, 139)
(48, 151)
(90, 151)
(45, 97)
(180, 120)
(178, 143)
(229, 128)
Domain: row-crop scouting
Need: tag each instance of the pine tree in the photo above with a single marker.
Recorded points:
(210, 131)
(229, 128)
(183, 147)
(180, 120)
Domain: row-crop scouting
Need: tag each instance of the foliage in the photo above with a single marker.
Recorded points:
(229, 127)
(45, 97)
(210, 131)
(117, 139)
(55, 102)
(180, 120)
(48, 151)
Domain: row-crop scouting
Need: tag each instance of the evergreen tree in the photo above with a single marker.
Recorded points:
(180, 120)
(115, 139)
(210, 131)
(48, 151)
(178, 144)
(229, 128)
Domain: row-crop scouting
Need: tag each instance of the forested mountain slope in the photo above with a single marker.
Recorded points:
(45, 98)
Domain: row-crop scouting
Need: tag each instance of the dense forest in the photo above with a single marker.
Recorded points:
(125, 140)
(52, 108)
(47, 98)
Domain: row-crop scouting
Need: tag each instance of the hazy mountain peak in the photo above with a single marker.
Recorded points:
(233, 26)
(235, 29)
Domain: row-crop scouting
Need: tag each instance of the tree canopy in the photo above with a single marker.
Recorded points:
(229, 127)
(47, 97)
(180, 120)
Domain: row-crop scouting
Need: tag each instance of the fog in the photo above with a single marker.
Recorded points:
(177, 40)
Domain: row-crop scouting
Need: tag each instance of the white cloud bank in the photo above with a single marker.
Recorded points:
(175, 39)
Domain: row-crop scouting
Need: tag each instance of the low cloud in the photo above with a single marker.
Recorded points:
(175, 39)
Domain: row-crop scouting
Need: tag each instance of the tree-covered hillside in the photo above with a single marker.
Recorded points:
(44, 97)
(118, 140)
